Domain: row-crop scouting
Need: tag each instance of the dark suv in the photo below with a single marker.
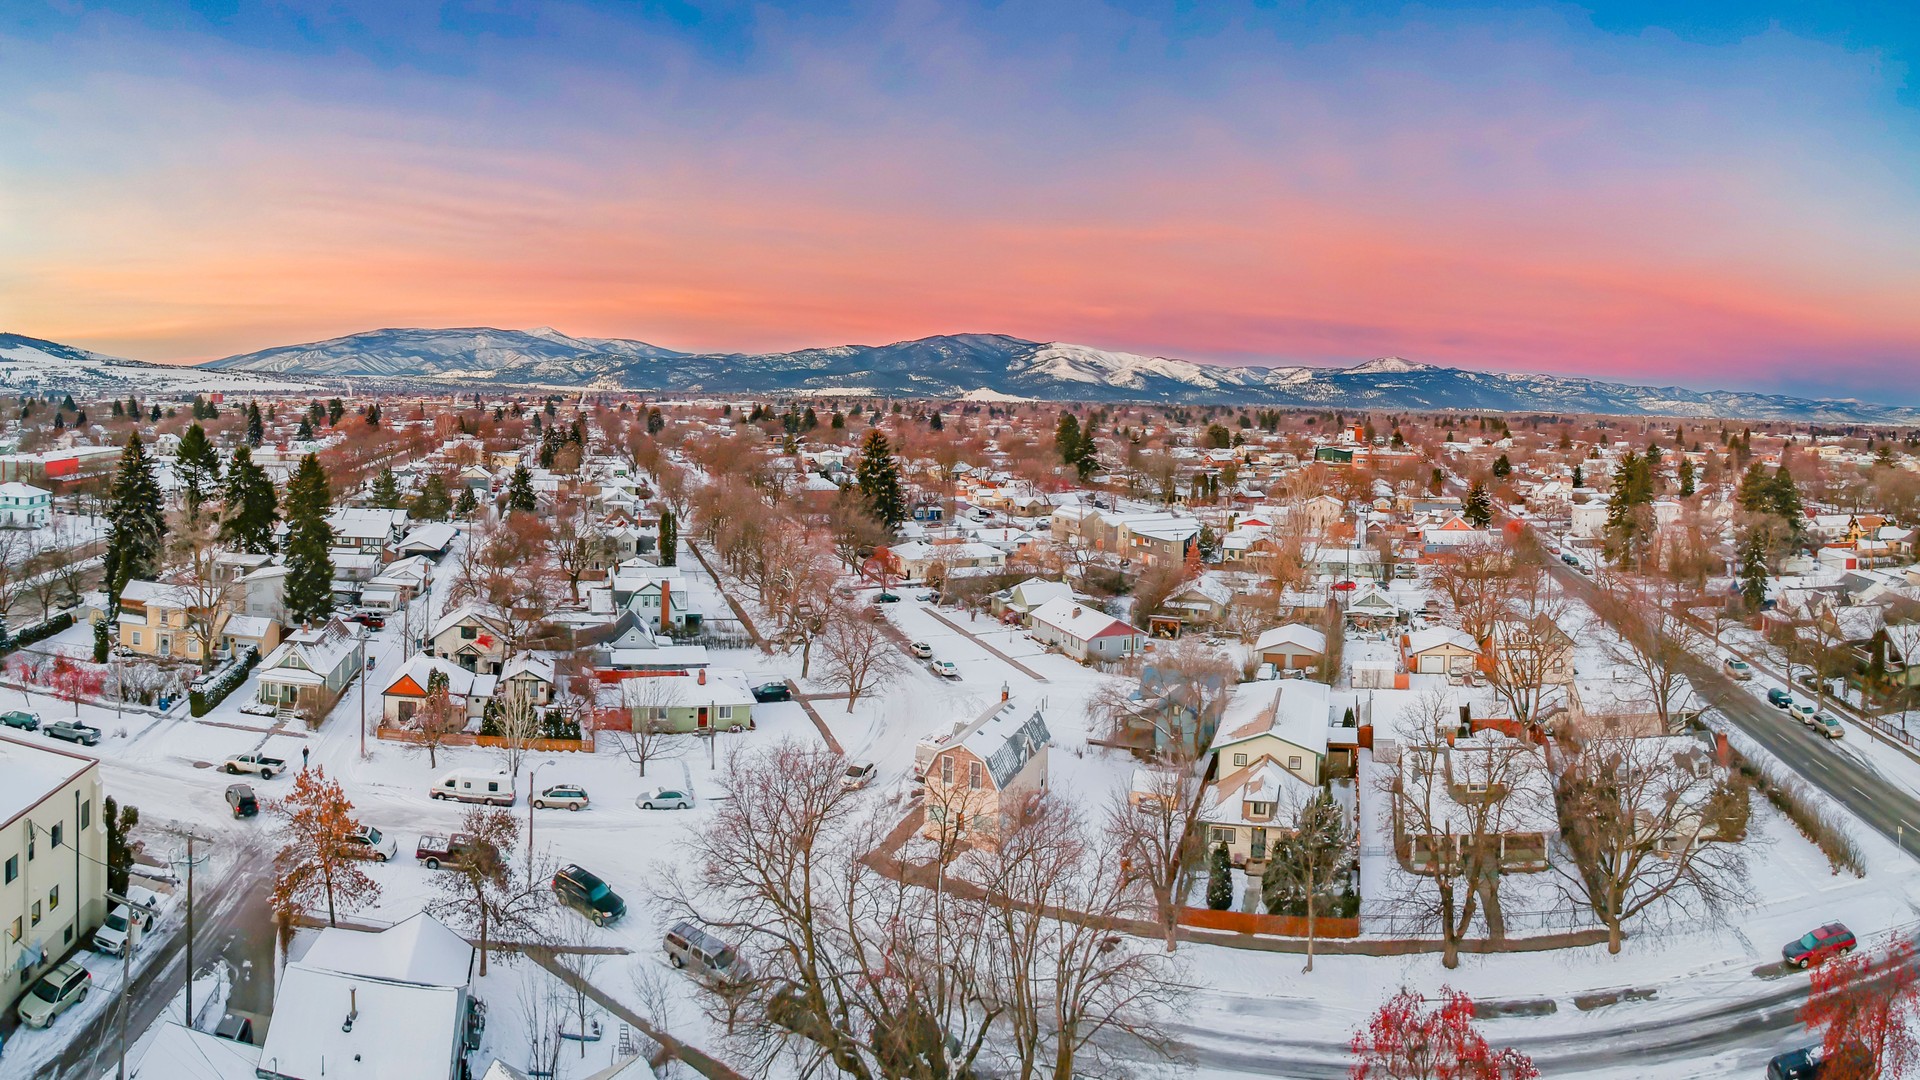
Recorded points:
(583, 891)
(1830, 940)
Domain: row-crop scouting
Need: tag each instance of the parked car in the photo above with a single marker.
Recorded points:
(56, 992)
(241, 799)
(112, 936)
(773, 691)
(1830, 940)
(369, 620)
(928, 597)
(663, 799)
(74, 731)
(490, 786)
(435, 850)
(858, 775)
(1738, 668)
(367, 843)
(1779, 698)
(946, 669)
(571, 796)
(1828, 726)
(1570, 560)
(691, 948)
(1802, 1064)
(1803, 711)
(583, 891)
(254, 763)
(886, 598)
(921, 649)
(25, 721)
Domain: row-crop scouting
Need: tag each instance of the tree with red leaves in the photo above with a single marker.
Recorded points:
(70, 681)
(1406, 1040)
(1864, 1010)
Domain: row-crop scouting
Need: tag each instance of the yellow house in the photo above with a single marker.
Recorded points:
(168, 622)
(1284, 721)
(981, 776)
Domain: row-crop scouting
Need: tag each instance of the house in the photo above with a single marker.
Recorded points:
(55, 850)
(1285, 721)
(982, 775)
(265, 591)
(371, 530)
(1487, 785)
(1172, 708)
(431, 538)
(1438, 650)
(1369, 606)
(1252, 805)
(1200, 602)
(915, 560)
(397, 583)
(23, 506)
(1519, 652)
(528, 678)
(1291, 647)
(470, 637)
(403, 695)
(1023, 598)
(704, 699)
(176, 1052)
(394, 1004)
(170, 621)
(310, 668)
(1083, 633)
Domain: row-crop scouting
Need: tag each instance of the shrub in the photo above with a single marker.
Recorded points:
(201, 701)
(1814, 822)
(38, 632)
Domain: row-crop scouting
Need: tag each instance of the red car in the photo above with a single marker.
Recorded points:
(368, 620)
(1830, 940)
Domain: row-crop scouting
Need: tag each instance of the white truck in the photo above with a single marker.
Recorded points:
(266, 767)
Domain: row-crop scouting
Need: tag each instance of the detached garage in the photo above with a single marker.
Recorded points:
(1438, 650)
(1293, 647)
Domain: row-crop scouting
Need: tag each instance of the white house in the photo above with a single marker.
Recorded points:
(23, 506)
(1083, 633)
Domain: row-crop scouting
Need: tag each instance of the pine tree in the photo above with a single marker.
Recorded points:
(256, 428)
(252, 506)
(520, 497)
(1686, 478)
(669, 539)
(386, 490)
(432, 503)
(1783, 496)
(1502, 467)
(878, 477)
(1753, 568)
(1756, 493)
(309, 589)
(1579, 477)
(335, 410)
(468, 505)
(1626, 531)
(198, 468)
(655, 421)
(305, 434)
(136, 522)
(1219, 879)
(1479, 511)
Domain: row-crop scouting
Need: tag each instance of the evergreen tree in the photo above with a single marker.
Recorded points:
(153, 413)
(118, 410)
(1783, 495)
(1579, 477)
(655, 421)
(386, 490)
(468, 505)
(1627, 531)
(136, 522)
(520, 497)
(934, 423)
(1219, 878)
(1756, 492)
(309, 589)
(1686, 478)
(305, 434)
(335, 410)
(878, 477)
(1479, 511)
(1502, 467)
(669, 539)
(1753, 568)
(252, 506)
(432, 503)
(67, 405)
(198, 467)
(256, 429)
(373, 415)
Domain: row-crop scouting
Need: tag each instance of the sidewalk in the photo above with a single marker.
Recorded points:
(670, 1048)
(971, 636)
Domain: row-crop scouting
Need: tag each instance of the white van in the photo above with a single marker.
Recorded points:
(493, 787)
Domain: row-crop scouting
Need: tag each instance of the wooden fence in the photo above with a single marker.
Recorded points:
(1248, 922)
(580, 745)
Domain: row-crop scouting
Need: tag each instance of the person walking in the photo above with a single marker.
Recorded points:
(305, 752)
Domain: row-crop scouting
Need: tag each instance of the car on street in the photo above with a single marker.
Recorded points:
(886, 598)
(858, 775)
(1827, 725)
(56, 992)
(369, 620)
(265, 766)
(366, 842)
(663, 799)
(25, 721)
(74, 731)
(1803, 712)
(1779, 698)
(1737, 668)
(921, 649)
(570, 796)
(582, 890)
(433, 850)
(946, 669)
(1833, 939)
(773, 691)
(689, 947)
(1801, 1064)
(111, 937)
(928, 597)
(241, 800)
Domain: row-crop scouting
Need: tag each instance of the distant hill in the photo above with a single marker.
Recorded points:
(33, 366)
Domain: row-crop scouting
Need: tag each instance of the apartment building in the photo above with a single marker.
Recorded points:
(53, 857)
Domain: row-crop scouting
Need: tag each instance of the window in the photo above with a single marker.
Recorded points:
(1294, 763)
(726, 712)
(53, 898)
(86, 814)
(14, 931)
(29, 841)
(1259, 809)
(13, 868)
(975, 777)
(1224, 836)
(59, 828)
(36, 913)
(946, 768)
(467, 633)
(136, 637)
(1239, 759)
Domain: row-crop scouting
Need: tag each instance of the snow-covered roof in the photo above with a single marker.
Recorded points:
(460, 681)
(30, 773)
(1297, 634)
(1265, 780)
(1435, 636)
(400, 1030)
(1079, 620)
(420, 950)
(176, 1052)
(1006, 739)
(1295, 710)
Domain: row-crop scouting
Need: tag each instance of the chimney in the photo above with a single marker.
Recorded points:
(1722, 753)
(1005, 693)
(666, 605)
(703, 676)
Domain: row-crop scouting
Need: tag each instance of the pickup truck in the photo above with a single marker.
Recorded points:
(73, 731)
(436, 850)
(254, 763)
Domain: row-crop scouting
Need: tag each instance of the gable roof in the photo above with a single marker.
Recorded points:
(1079, 620)
(1294, 710)
(1296, 634)
(1006, 742)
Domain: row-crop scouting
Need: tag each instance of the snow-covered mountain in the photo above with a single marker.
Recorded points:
(33, 366)
(476, 352)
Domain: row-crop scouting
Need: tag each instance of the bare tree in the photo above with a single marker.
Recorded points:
(207, 592)
(1156, 830)
(16, 568)
(646, 701)
(860, 657)
(1531, 653)
(1473, 579)
(518, 715)
(437, 717)
(1654, 642)
(1641, 820)
(478, 889)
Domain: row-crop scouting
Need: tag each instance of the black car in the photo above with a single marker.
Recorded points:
(583, 891)
(1802, 1064)
(241, 798)
(773, 691)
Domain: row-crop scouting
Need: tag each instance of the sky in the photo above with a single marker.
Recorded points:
(1710, 194)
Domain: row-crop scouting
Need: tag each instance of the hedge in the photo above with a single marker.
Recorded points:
(38, 632)
(201, 702)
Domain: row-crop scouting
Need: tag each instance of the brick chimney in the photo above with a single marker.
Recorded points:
(703, 676)
(666, 605)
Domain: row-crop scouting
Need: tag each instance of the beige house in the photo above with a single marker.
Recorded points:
(1292, 647)
(1487, 788)
(168, 622)
(1284, 721)
(980, 778)
(471, 638)
(1251, 807)
(53, 845)
(1438, 650)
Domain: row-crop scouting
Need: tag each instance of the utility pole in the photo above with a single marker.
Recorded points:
(126, 974)
(363, 691)
(189, 1016)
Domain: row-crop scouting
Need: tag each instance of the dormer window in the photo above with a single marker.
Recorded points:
(1259, 809)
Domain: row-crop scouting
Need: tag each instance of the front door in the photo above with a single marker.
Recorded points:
(1257, 849)
(703, 716)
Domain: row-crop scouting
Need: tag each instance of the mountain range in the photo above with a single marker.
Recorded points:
(972, 366)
